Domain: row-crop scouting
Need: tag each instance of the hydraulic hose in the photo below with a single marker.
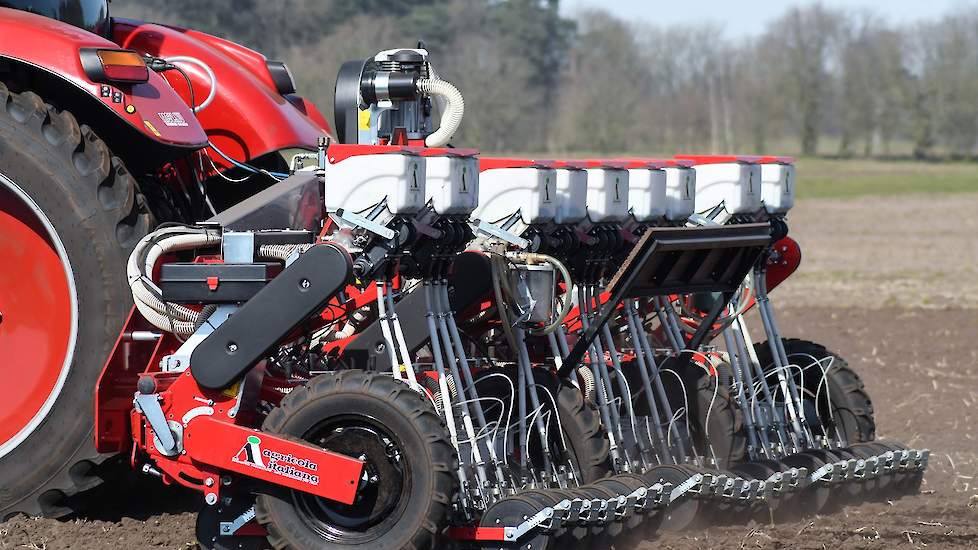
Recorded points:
(210, 75)
(451, 118)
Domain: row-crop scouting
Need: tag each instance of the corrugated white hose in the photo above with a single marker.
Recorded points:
(165, 316)
(451, 117)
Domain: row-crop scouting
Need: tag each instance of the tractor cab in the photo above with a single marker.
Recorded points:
(91, 15)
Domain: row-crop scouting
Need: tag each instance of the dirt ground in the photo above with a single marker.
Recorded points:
(899, 300)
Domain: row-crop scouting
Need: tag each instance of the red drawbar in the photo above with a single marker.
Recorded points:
(477, 533)
(271, 458)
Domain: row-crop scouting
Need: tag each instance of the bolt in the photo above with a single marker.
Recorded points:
(232, 347)
(225, 480)
(211, 499)
(304, 283)
(209, 482)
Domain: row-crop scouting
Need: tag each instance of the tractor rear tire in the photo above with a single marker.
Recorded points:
(405, 503)
(852, 409)
(70, 214)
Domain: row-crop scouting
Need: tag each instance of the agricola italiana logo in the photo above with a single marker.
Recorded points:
(282, 464)
(250, 453)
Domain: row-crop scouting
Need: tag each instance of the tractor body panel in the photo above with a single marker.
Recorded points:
(152, 108)
(248, 115)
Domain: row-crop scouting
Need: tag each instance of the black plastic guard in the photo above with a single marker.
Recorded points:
(301, 290)
(680, 260)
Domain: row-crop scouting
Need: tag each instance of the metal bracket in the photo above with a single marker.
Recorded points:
(363, 222)
(776, 482)
(149, 405)
(685, 487)
(923, 459)
(229, 528)
(492, 230)
(514, 533)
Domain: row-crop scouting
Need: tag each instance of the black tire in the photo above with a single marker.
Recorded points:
(716, 424)
(95, 207)
(851, 407)
(719, 432)
(580, 420)
(585, 435)
(419, 514)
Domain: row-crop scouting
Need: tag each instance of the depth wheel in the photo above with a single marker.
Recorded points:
(70, 214)
(844, 410)
(681, 513)
(583, 444)
(410, 466)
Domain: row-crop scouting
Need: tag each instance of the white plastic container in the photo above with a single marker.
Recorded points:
(452, 184)
(735, 185)
(360, 182)
(647, 194)
(571, 195)
(778, 187)
(680, 193)
(607, 195)
(529, 191)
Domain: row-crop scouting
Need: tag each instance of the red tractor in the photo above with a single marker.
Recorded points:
(108, 127)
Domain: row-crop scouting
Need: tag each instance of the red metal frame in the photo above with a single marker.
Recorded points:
(721, 159)
(492, 163)
(784, 260)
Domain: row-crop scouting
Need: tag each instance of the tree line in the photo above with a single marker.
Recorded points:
(816, 80)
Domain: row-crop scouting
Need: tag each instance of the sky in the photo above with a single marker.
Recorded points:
(745, 17)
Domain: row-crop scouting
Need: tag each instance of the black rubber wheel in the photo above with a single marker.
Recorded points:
(586, 440)
(407, 450)
(510, 512)
(649, 521)
(719, 433)
(87, 206)
(813, 497)
(885, 483)
(684, 511)
(850, 415)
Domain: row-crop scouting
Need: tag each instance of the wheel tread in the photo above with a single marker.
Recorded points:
(58, 133)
